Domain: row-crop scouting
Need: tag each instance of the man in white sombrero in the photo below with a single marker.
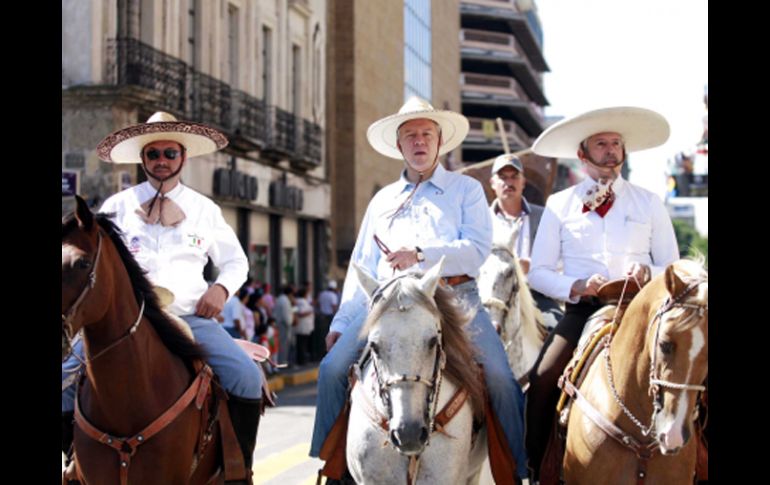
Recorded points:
(172, 231)
(601, 229)
(427, 214)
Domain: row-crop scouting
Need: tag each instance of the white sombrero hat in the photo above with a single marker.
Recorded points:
(640, 128)
(125, 146)
(382, 133)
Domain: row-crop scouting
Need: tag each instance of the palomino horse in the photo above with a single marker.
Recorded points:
(633, 417)
(415, 337)
(505, 294)
(132, 426)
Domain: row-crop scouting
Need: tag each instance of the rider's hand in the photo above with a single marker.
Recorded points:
(331, 339)
(402, 259)
(638, 271)
(211, 303)
(524, 262)
(588, 287)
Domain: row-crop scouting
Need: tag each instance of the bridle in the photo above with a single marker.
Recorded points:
(385, 383)
(68, 316)
(655, 382)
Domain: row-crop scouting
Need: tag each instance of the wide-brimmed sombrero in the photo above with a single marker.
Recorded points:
(382, 133)
(640, 128)
(125, 145)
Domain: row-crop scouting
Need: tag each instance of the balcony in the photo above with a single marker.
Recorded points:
(167, 83)
(504, 16)
(484, 135)
(490, 96)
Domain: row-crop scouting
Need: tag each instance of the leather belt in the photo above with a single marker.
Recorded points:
(456, 280)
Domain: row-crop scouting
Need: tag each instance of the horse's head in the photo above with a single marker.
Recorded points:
(499, 281)
(679, 353)
(405, 337)
(83, 248)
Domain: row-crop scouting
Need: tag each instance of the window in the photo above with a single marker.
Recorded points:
(267, 59)
(232, 46)
(417, 49)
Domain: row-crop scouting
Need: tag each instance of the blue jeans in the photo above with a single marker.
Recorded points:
(504, 391)
(237, 373)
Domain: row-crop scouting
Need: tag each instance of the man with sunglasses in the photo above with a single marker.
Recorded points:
(172, 231)
(409, 225)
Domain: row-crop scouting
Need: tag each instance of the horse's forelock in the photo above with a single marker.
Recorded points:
(460, 351)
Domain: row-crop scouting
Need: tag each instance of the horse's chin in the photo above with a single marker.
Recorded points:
(410, 451)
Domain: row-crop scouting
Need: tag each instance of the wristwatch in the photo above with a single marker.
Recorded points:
(420, 254)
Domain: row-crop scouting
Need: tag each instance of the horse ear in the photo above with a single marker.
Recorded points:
(429, 281)
(368, 283)
(674, 284)
(83, 214)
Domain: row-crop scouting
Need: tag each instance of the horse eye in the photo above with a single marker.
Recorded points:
(82, 264)
(666, 347)
(375, 348)
(432, 342)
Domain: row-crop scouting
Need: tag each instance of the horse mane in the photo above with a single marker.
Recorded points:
(530, 317)
(172, 337)
(458, 347)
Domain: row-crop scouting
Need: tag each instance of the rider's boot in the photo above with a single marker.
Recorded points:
(245, 414)
(67, 431)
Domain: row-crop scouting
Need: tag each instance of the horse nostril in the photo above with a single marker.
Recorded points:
(394, 438)
(685, 434)
(424, 435)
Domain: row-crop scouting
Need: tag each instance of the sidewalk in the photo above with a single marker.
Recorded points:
(293, 377)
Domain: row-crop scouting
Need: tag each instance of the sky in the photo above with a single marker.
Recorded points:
(647, 53)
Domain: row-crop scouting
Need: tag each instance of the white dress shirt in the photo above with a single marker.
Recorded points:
(174, 257)
(448, 216)
(636, 229)
(503, 224)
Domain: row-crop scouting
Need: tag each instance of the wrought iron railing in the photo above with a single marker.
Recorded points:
(193, 95)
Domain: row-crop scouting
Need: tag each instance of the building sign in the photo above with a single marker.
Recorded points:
(285, 196)
(69, 183)
(233, 184)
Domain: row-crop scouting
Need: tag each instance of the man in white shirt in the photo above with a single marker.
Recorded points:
(511, 211)
(172, 231)
(601, 229)
(426, 214)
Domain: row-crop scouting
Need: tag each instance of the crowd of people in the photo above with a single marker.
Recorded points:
(292, 325)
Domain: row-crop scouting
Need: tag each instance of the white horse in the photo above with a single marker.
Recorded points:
(395, 433)
(505, 294)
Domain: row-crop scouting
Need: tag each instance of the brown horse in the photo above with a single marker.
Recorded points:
(633, 417)
(132, 426)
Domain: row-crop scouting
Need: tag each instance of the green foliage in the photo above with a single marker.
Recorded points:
(690, 241)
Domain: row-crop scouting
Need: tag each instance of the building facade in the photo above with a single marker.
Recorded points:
(502, 77)
(378, 54)
(255, 69)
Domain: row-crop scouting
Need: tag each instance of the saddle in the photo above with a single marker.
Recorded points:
(208, 396)
(333, 450)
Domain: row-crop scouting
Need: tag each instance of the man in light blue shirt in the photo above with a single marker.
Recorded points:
(409, 225)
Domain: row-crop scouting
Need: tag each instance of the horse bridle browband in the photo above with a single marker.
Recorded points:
(655, 383)
(70, 314)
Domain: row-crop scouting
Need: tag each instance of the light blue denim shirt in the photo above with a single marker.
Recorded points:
(448, 216)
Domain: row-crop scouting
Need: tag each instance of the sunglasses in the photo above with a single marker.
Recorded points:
(168, 153)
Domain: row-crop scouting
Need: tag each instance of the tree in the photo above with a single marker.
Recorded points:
(689, 240)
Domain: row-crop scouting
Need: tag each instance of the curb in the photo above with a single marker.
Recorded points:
(292, 378)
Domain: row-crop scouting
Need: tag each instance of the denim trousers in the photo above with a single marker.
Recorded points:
(504, 391)
(237, 373)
